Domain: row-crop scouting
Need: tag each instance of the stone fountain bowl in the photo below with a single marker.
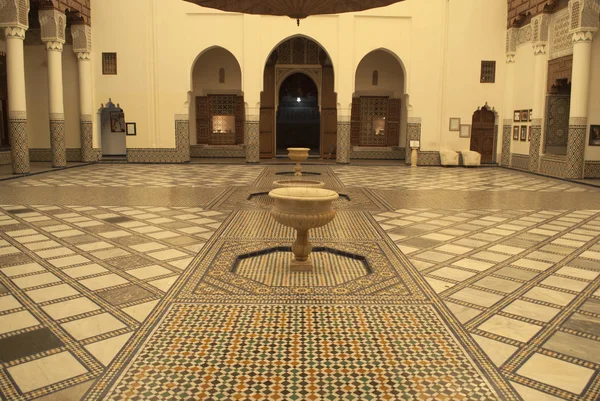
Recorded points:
(298, 183)
(303, 208)
(298, 154)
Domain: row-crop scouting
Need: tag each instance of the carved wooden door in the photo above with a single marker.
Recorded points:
(202, 120)
(328, 115)
(483, 134)
(392, 124)
(267, 114)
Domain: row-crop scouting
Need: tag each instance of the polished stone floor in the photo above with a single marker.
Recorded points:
(122, 282)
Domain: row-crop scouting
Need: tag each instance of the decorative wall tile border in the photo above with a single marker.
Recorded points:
(429, 158)
(519, 161)
(391, 153)
(179, 154)
(506, 137)
(553, 166)
(45, 154)
(592, 169)
(217, 151)
(5, 157)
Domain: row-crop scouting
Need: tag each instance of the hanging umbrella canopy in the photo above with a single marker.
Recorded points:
(296, 9)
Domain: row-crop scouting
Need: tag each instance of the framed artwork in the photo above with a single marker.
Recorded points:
(515, 132)
(530, 113)
(517, 116)
(465, 131)
(524, 115)
(594, 135)
(130, 129)
(529, 133)
(523, 132)
(454, 124)
(117, 121)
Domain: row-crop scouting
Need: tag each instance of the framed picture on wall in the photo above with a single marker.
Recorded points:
(523, 132)
(515, 132)
(454, 124)
(529, 133)
(524, 115)
(465, 131)
(530, 113)
(517, 116)
(117, 121)
(130, 129)
(594, 135)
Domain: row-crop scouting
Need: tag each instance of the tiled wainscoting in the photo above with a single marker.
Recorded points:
(520, 162)
(218, 151)
(384, 153)
(5, 157)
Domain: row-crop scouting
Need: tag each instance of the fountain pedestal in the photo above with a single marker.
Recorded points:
(298, 155)
(303, 209)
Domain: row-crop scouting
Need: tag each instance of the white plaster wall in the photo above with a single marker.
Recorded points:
(523, 90)
(158, 41)
(476, 32)
(36, 86)
(36, 90)
(593, 152)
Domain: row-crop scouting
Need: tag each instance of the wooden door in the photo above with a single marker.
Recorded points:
(483, 133)
(328, 114)
(392, 123)
(267, 114)
(355, 122)
(202, 120)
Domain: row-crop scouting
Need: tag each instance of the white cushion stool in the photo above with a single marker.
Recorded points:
(449, 158)
(471, 158)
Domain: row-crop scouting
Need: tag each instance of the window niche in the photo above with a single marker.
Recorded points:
(222, 75)
(488, 72)
(375, 78)
(109, 63)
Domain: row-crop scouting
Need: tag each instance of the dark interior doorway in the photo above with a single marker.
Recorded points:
(483, 133)
(298, 116)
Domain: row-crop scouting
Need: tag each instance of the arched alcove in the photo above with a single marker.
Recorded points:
(298, 54)
(216, 99)
(379, 112)
(112, 129)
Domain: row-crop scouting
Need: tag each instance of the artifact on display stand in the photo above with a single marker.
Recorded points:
(298, 155)
(303, 209)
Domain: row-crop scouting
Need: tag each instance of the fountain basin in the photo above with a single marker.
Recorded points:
(298, 155)
(302, 209)
(298, 183)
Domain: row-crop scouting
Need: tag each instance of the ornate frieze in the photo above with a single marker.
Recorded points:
(561, 43)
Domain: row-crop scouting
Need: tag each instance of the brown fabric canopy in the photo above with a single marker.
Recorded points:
(293, 8)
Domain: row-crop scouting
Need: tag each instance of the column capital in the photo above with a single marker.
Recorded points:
(512, 37)
(583, 18)
(14, 14)
(14, 32)
(54, 46)
(82, 38)
(53, 24)
(83, 56)
(510, 58)
(540, 48)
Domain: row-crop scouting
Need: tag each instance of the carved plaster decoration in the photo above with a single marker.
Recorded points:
(14, 14)
(525, 35)
(561, 43)
(56, 46)
(83, 56)
(53, 24)
(14, 32)
(82, 38)
(512, 38)
(541, 23)
(584, 19)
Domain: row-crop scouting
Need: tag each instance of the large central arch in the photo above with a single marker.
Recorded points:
(298, 54)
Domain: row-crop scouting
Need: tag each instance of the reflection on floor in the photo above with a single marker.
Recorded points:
(444, 301)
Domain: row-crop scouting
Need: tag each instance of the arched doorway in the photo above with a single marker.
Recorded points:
(483, 133)
(306, 57)
(112, 130)
(217, 111)
(379, 113)
(298, 117)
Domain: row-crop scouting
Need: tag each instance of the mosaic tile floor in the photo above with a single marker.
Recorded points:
(468, 297)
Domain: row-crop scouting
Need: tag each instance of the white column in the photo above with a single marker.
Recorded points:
(17, 105)
(580, 81)
(53, 24)
(82, 46)
(508, 109)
